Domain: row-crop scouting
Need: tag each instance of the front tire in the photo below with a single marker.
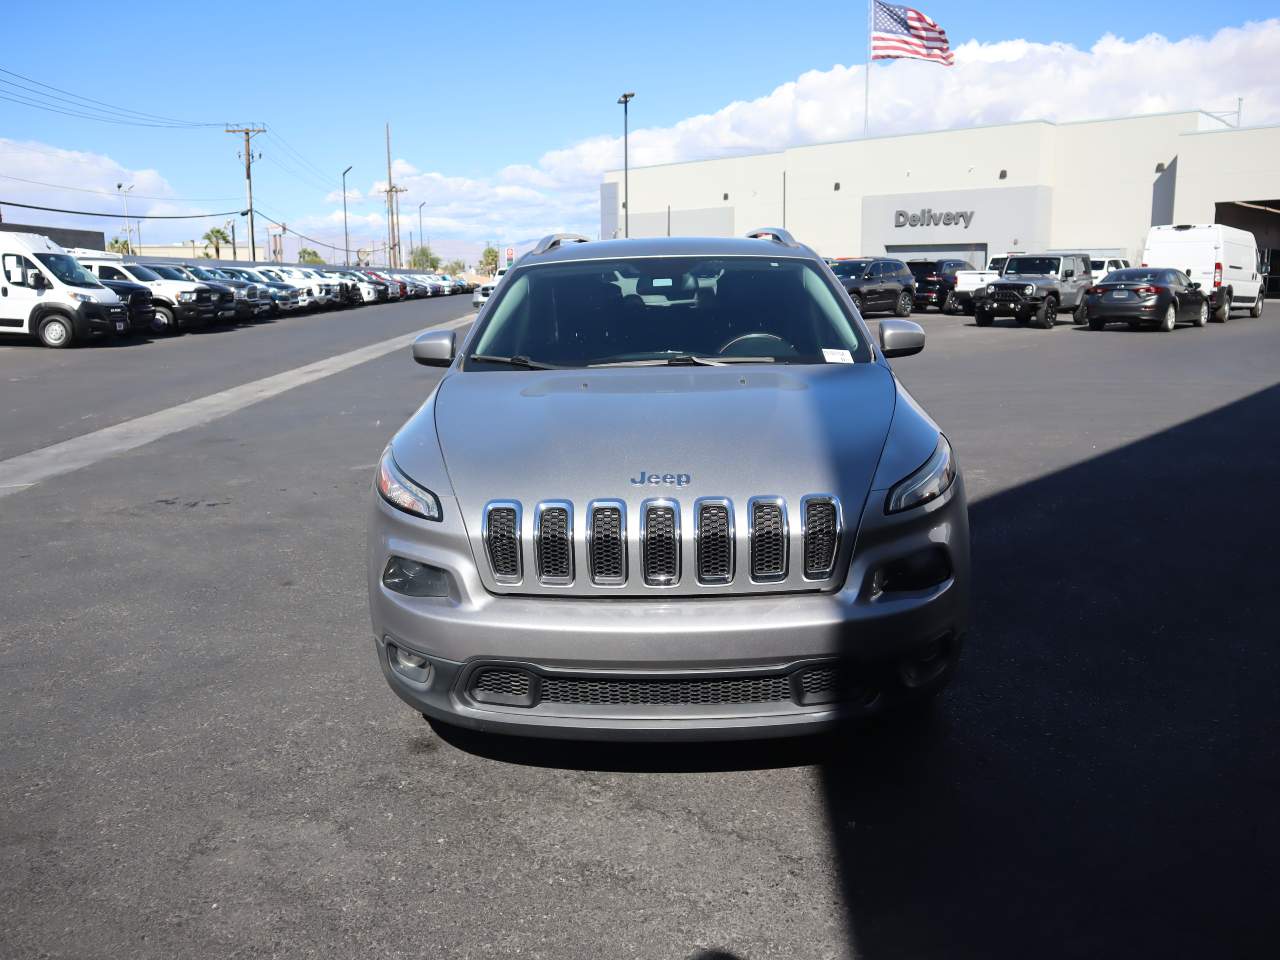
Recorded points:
(164, 322)
(1170, 319)
(1097, 323)
(905, 302)
(983, 318)
(857, 305)
(56, 332)
(1081, 315)
(1202, 317)
(1256, 309)
(1046, 315)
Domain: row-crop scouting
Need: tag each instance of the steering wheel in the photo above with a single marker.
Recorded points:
(745, 338)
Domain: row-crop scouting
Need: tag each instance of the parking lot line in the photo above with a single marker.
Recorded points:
(20, 472)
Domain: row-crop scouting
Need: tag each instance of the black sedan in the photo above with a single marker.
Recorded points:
(1146, 296)
(876, 283)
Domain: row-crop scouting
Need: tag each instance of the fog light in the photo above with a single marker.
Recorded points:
(415, 579)
(408, 664)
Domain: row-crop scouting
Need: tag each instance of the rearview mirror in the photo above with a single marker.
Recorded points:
(901, 338)
(434, 348)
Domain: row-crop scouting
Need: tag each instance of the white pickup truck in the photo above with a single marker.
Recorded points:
(972, 284)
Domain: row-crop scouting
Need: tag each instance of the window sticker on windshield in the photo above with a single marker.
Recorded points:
(836, 356)
(662, 281)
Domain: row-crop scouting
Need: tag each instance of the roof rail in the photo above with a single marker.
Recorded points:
(553, 240)
(776, 234)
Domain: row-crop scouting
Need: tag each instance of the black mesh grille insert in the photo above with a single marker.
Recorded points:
(503, 542)
(665, 692)
(661, 548)
(512, 683)
(608, 551)
(818, 685)
(715, 546)
(768, 542)
(555, 548)
(820, 538)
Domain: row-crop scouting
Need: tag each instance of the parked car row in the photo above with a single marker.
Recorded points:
(66, 296)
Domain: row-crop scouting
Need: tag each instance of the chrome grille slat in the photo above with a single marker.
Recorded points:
(501, 534)
(768, 536)
(607, 542)
(660, 542)
(553, 542)
(713, 526)
(822, 528)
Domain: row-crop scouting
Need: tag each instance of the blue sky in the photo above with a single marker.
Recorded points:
(472, 91)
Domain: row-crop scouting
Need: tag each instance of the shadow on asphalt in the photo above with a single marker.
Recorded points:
(1103, 781)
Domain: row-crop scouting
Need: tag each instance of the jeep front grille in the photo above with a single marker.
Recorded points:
(660, 543)
(768, 539)
(553, 542)
(715, 541)
(502, 541)
(821, 536)
(607, 543)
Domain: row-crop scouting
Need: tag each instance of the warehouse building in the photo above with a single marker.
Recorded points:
(975, 193)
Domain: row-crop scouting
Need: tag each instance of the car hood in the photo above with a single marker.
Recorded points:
(1022, 280)
(581, 435)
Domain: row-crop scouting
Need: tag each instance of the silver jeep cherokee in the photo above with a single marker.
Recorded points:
(667, 488)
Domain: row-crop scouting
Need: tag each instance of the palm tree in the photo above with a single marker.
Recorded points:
(119, 245)
(307, 255)
(215, 238)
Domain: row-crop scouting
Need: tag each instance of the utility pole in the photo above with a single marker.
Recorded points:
(124, 196)
(420, 233)
(249, 133)
(391, 215)
(235, 254)
(346, 238)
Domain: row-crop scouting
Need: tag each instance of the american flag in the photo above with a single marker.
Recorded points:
(901, 32)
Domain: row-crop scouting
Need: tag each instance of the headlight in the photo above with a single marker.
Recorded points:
(928, 483)
(84, 297)
(991, 288)
(186, 296)
(402, 493)
(238, 292)
(1029, 289)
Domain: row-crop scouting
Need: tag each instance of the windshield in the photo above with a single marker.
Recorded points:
(850, 269)
(1137, 275)
(996, 264)
(1033, 266)
(662, 309)
(250, 275)
(203, 274)
(67, 269)
(170, 273)
(139, 272)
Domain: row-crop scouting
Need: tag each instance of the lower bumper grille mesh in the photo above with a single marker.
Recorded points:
(665, 692)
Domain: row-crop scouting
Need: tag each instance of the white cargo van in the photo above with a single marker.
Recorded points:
(1223, 260)
(46, 293)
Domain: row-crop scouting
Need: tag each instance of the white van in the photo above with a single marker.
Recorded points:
(1223, 260)
(46, 293)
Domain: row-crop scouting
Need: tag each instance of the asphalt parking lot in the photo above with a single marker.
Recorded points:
(201, 759)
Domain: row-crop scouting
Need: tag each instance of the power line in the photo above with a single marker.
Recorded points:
(293, 171)
(162, 120)
(271, 132)
(116, 216)
(109, 193)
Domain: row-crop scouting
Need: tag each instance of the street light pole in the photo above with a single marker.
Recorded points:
(124, 196)
(420, 233)
(625, 99)
(346, 239)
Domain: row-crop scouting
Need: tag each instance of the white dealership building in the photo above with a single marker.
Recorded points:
(975, 192)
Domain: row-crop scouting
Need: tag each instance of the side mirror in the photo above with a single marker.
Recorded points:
(1194, 285)
(38, 281)
(1068, 274)
(434, 348)
(901, 338)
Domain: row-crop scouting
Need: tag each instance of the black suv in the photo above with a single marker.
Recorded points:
(877, 283)
(936, 282)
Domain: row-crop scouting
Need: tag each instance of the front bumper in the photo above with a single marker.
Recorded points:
(108, 318)
(869, 646)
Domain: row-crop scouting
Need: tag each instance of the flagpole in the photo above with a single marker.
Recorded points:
(866, 80)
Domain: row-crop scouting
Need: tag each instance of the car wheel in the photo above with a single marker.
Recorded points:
(1256, 309)
(983, 318)
(1081, 315)
(857, 304)
(969, 309)
(56, 332)
(1202, 317)
(905, 302)
(1170, 319)
(949, 304)
(163, 321)
(1223, 313)
(1046, 315)
(1097, 323)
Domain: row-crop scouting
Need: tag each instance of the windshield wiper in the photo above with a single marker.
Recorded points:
(682, 360)
(516, 361)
